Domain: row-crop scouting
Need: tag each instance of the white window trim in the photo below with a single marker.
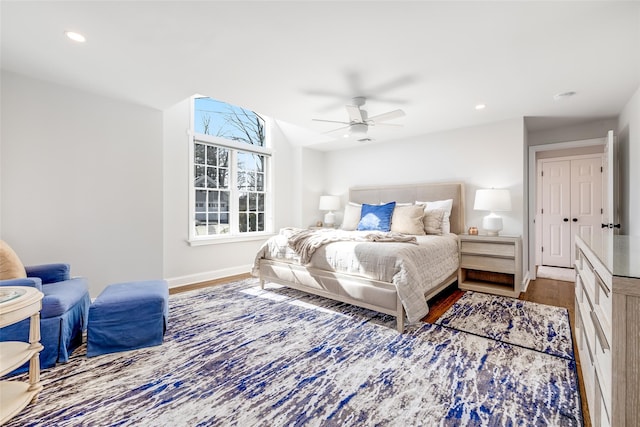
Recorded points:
(216, 240)
(228, 143)
(236, 236)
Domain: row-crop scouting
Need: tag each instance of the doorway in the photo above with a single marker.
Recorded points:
(543, 151)
(570, 204)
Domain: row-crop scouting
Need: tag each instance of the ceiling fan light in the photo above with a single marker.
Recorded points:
(358, 129)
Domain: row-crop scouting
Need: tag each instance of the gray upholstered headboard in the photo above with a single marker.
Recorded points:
(427, 192)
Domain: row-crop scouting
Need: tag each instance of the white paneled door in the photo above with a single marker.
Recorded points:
(571, 204)
(556, 210)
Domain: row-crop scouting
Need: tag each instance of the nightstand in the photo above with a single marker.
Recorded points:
(491, 264)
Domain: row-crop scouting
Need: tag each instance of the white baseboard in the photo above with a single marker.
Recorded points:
(525, 282)
(176, 282)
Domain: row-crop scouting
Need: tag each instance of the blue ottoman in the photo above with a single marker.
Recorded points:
(128, 316)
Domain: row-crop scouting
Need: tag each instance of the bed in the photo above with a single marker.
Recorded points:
(404, 278)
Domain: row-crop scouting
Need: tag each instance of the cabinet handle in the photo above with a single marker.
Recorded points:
(599, 332)
(575, 220)
(566, 219)
(589, 351)
(589, 265)
(586, 342)
(603, 286)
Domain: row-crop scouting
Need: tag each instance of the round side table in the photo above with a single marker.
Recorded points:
(18, 303)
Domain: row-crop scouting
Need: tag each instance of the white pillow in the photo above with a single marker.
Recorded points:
(445, 205)
(351, 216)
(407, 219)
(433, 220)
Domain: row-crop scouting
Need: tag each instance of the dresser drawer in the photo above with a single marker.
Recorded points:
(602, 356)
(579, 289)
(586, 358)
(604, 303)
(597, 287)
(488, 248)
(488, 263)
(604, 415)
(587, 275)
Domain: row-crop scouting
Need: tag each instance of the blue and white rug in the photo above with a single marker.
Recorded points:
(235, 355)
(527, 324)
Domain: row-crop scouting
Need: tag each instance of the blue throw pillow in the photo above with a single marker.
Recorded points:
(376, 217)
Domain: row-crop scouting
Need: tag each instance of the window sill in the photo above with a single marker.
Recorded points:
(216, 240)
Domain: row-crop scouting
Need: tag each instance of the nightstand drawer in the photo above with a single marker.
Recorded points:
(488, 248)
(488, 263)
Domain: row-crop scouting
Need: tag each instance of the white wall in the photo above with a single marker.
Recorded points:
(481, 157)
(185, 264)
(563, 133)
(629, 159)
(103, 185)
(81, 179)
(312, 164)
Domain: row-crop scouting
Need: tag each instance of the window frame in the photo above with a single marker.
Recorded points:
(235, 235)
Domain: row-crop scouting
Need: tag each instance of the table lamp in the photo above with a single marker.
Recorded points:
(492, 200)
(330, 204)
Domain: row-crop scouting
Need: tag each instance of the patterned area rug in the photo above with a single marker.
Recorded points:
(235, 355)
(527, 324)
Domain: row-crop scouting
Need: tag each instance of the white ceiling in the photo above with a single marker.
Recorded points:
(298, 60)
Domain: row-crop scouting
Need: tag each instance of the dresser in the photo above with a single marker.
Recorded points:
(491, 264)
(608, 327)
(18, 303)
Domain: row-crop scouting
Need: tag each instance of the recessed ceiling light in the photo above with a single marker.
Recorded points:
(480, 107)
(563, 95)
(76, 37)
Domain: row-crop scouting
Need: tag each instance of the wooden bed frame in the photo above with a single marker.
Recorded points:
(360, 291)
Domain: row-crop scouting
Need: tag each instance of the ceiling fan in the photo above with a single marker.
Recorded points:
(359, 121)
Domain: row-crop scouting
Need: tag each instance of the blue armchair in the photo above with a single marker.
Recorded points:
(63, 317)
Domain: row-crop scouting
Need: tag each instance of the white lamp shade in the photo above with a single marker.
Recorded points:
(329, 203)
(492, 200)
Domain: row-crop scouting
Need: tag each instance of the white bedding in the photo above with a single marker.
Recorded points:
(413, 268)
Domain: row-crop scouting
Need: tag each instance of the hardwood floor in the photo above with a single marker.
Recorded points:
(543, 291)
(208, 283)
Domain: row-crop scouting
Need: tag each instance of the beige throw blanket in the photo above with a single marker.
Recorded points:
(305, 242)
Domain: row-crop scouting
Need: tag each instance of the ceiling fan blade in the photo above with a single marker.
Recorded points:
(330, 121)
(386, 124)
(355, 115)
(387, 116)
(337, 129)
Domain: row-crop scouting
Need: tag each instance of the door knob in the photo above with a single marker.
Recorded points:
(566, 220)
(575, 220)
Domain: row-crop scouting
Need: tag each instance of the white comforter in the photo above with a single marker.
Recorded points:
(413, 268)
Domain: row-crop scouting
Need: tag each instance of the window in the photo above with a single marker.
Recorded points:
(230, 163)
